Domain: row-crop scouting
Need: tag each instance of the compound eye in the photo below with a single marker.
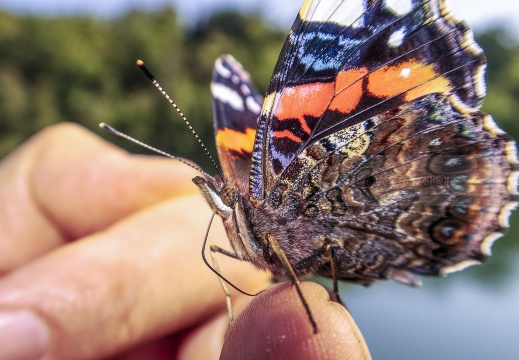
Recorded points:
(229, 195)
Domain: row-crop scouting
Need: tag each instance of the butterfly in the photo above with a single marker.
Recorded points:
(369, 157)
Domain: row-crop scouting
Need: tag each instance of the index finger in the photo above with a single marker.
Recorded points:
(66, 183)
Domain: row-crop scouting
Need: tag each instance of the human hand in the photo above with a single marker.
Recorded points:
(100, 257)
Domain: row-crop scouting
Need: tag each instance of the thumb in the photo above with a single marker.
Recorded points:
(276, 326)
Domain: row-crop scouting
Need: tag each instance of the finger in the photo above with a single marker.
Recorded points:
(275, 326)
(139, 280)
(206, 340)
(66, 183)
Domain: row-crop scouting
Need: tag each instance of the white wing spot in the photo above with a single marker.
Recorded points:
(236, 79)
(406, 72)
(486, 245)
(345, 13)
(491, 126)
(253, 105)
(512, 182)
(245, 90)
(435, 142)
(227, 96)
(221, 70)
(399, 7)
(397, 38)
(504, 215)
(479, 81)
(458, 267)
(511, 152)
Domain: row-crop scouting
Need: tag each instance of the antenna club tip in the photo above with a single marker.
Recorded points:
(145, 69)
(108, 128)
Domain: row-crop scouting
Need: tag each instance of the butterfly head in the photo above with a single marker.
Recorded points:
(221, 201)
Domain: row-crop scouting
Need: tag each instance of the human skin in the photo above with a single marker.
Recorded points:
(100, 258)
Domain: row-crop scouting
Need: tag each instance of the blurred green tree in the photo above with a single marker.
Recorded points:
(82, 69)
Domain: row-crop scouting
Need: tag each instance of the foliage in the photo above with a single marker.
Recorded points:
(82, 69)
(502, 99)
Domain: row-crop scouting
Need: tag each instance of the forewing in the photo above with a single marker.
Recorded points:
(345, 61)
(236, 108)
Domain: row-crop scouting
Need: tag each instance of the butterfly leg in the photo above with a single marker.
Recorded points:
(293, 277)
(325, 250)
(216, 249)
(334, 275)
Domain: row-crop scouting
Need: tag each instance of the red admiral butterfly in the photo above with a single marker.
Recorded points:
(370, 158)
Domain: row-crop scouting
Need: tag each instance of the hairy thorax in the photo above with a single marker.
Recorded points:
(251, 223)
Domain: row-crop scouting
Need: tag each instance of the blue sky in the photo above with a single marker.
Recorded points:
(479, 13)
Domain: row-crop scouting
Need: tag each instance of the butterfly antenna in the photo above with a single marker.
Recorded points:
(151, 148)
(216, 271)
(150, 76)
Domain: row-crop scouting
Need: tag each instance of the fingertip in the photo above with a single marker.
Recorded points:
(275, 324)
(22, 335)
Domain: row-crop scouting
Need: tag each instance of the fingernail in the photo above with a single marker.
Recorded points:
(23, 336)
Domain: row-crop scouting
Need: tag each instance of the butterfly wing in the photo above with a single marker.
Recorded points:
(371, 132)
(346, 60)
(236, 108)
